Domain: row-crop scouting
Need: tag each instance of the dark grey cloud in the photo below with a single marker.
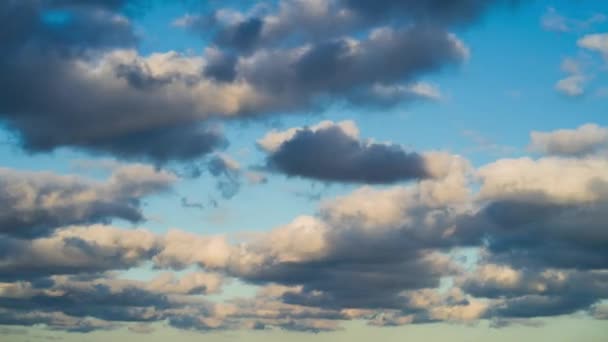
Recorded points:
(242, 36)
(130, 304)
(544, 247)
(539, 235)
(50, 101)
(330, 154)
(221, 67)
(61, 26)
(341, 67)
(524, 282)
(536, 306)
(75, 303)
(36, 203)
(71, 77)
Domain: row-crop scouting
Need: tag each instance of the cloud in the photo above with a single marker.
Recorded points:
(585, 140)
(533, 181)
(574, 84)
(54, 321)
(543, 252)
(127, 105)
(571, 85)
(112, 300)
(539, 251)
(532, 223)
(552, 20)
(597, 42)
(229, 172)
(345, 66)
(36, 203)
(230, 175)
(327, 265)
(344, 252)
(163, 107)
(315, 20)
(334, 152)
(76, 250)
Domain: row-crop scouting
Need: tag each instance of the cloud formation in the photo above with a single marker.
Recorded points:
(332, 151)
(390, 255)
(36, 203)
(162, 107)
(597, 42)
(584, 140)
(541, 252)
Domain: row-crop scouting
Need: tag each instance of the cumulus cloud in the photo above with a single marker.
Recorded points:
(332, 151)
(541, 253)
(597, 42)
(111, 299)
(584, 140)
(534, 181)
(76, 250)
(338, 256)
(124, 103)
(36, 203)
(160, 107)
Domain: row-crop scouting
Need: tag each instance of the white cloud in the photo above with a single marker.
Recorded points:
(556, 180)
(597, 42)
(584, 140)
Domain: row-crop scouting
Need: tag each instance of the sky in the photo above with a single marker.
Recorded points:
(306, 170)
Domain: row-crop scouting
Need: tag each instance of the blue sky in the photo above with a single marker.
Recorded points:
(480, 133)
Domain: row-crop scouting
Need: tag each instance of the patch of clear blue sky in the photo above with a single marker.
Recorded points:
(503, 92)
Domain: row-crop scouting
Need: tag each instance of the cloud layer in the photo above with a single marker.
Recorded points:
(93, 91)
(36, 203)
(541, 252)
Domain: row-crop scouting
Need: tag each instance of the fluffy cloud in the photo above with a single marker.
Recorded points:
(532, 222)
(36, 203)
(597, 42)
(159, 107)
(541, 253)
(534, 181)
(348, 249)
(334, 152)
(584, 140)
(76, 250)
(114, 300)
